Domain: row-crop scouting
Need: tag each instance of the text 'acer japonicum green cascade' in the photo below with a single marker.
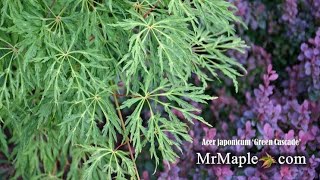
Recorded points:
(78, 76)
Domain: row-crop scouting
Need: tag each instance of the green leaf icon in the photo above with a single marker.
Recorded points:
(267, 161)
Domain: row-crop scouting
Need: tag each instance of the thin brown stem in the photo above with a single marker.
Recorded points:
(120, 146)
(51, 6)
(124, 129)
(124, 95)
(150, 10)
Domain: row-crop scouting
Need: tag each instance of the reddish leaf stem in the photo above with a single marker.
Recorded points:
(150, 10)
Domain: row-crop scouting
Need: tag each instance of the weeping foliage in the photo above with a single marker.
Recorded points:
(68, 69)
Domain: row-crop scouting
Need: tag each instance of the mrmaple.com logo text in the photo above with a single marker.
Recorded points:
(248, 159)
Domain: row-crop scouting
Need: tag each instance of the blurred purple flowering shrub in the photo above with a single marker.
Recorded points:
(290, 9)
(310, 58)
(279, 98)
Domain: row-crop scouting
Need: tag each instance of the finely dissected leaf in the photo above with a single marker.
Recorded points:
(158, 126)
(159, 130)
(107, 162)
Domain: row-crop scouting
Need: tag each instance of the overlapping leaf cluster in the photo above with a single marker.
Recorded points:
(61, 63)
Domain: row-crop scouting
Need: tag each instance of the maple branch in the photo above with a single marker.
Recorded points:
(124, 129)
(150, 10)
(124, 95)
